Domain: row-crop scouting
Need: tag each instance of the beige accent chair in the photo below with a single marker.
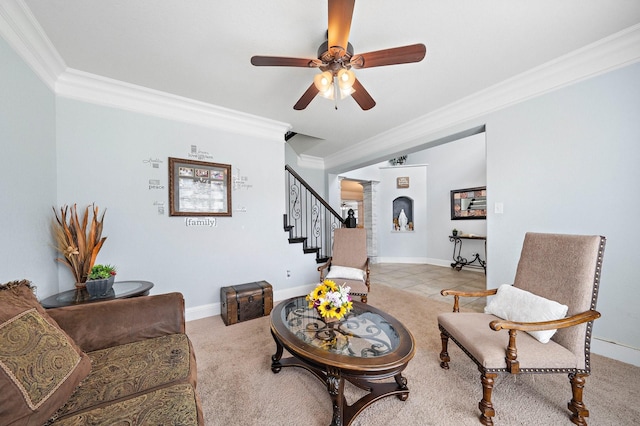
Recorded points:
(561, 268)
(349, 256)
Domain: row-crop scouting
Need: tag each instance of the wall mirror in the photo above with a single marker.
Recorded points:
(469, 203)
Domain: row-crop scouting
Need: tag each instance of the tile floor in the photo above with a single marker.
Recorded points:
(428, 280)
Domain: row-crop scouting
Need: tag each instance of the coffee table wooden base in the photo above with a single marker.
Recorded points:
(334, 378)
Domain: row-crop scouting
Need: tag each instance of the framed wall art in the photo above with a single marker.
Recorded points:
(402, 182)
(199, 188)
(469, 203)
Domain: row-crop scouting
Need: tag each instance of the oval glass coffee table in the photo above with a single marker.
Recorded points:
(366, 345)
(120, 290)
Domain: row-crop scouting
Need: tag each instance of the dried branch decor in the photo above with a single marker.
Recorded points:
(78, 245)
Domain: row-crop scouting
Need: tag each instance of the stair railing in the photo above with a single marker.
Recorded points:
(309, 219)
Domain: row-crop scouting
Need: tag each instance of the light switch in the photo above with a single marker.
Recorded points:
(499, 208)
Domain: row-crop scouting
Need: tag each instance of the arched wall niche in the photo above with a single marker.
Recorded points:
(401, 204)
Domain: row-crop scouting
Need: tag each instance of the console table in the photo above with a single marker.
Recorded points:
(458, 261)
(120, 290)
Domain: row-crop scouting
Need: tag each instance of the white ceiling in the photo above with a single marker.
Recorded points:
(200, 49)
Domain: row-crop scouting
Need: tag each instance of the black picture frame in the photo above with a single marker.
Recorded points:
(199, 188)
(469, 203)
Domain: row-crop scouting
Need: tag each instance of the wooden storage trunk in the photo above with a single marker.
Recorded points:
(244, 302)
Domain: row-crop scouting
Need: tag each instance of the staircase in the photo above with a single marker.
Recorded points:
(309, 220)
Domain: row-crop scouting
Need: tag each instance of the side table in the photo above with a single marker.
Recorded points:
(120, 290)
(459, 261)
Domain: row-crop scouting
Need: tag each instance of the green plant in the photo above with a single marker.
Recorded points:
(99, 272)
(78, 243)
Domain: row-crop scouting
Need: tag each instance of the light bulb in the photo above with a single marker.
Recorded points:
(323, 81)
(346, 78)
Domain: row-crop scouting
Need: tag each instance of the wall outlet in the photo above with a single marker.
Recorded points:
(499, 208)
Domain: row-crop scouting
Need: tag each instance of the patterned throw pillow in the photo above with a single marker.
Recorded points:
(40, 365)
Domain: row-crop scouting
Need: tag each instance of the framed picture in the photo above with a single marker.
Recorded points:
(469, 203)
(199, 188)
(402, 182)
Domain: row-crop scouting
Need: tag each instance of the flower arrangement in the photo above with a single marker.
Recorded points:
(78, 244)
(100, 272)
(331, 300)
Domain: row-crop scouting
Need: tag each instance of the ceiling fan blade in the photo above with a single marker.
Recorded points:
(306, 97)
(340, 13)
(278, 61)
(393, 56)
(362, 97)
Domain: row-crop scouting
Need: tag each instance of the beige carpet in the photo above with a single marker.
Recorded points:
(237, 387)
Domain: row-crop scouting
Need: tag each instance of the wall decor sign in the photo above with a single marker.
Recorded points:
(469, 203)
(402, 182)
(199, 188)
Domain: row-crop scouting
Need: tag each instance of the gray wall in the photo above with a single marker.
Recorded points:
(454, 165)
(402, 246)
(28, 164)
(568, 162)
(59, 151)
(313, 176)
(102, 158)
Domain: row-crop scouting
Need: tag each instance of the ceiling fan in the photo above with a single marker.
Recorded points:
(336, 58)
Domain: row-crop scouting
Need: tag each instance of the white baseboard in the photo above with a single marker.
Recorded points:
(616, 351)
(417, 260)
(213, 309)
(439, 262)
(423, 261)
(202, 311)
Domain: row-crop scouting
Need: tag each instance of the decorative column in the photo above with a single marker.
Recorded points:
(370, 201)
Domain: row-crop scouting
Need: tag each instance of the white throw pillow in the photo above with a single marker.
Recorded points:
(345, 273)
(514, 304)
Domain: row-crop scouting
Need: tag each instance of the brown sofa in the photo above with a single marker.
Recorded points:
(142, 367)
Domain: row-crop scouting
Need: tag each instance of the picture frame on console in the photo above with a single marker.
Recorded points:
(199, 188)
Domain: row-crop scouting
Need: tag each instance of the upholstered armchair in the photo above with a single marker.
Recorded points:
(349, 263)
(555, 288)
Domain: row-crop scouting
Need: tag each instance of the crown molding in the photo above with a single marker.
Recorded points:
(310, 162)
(92, 88)
(24, 34)
(613, 52)
(22, 31)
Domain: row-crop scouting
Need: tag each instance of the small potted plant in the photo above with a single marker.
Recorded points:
(454, 232)
(100, 280)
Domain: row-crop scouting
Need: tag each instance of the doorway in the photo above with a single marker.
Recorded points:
(352, 197)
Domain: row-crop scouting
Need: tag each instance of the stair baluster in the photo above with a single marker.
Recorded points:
(310, 220)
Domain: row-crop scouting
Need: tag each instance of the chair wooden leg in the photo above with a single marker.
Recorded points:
(576, 406)
(444, 355)
(485, 405)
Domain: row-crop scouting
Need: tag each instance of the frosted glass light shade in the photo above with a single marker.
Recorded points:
(346, 78)
(323, 81)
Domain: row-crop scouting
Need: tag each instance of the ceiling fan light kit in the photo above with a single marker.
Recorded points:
(346, 78)
(324, 82)
(335, 62)
(328, 84)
